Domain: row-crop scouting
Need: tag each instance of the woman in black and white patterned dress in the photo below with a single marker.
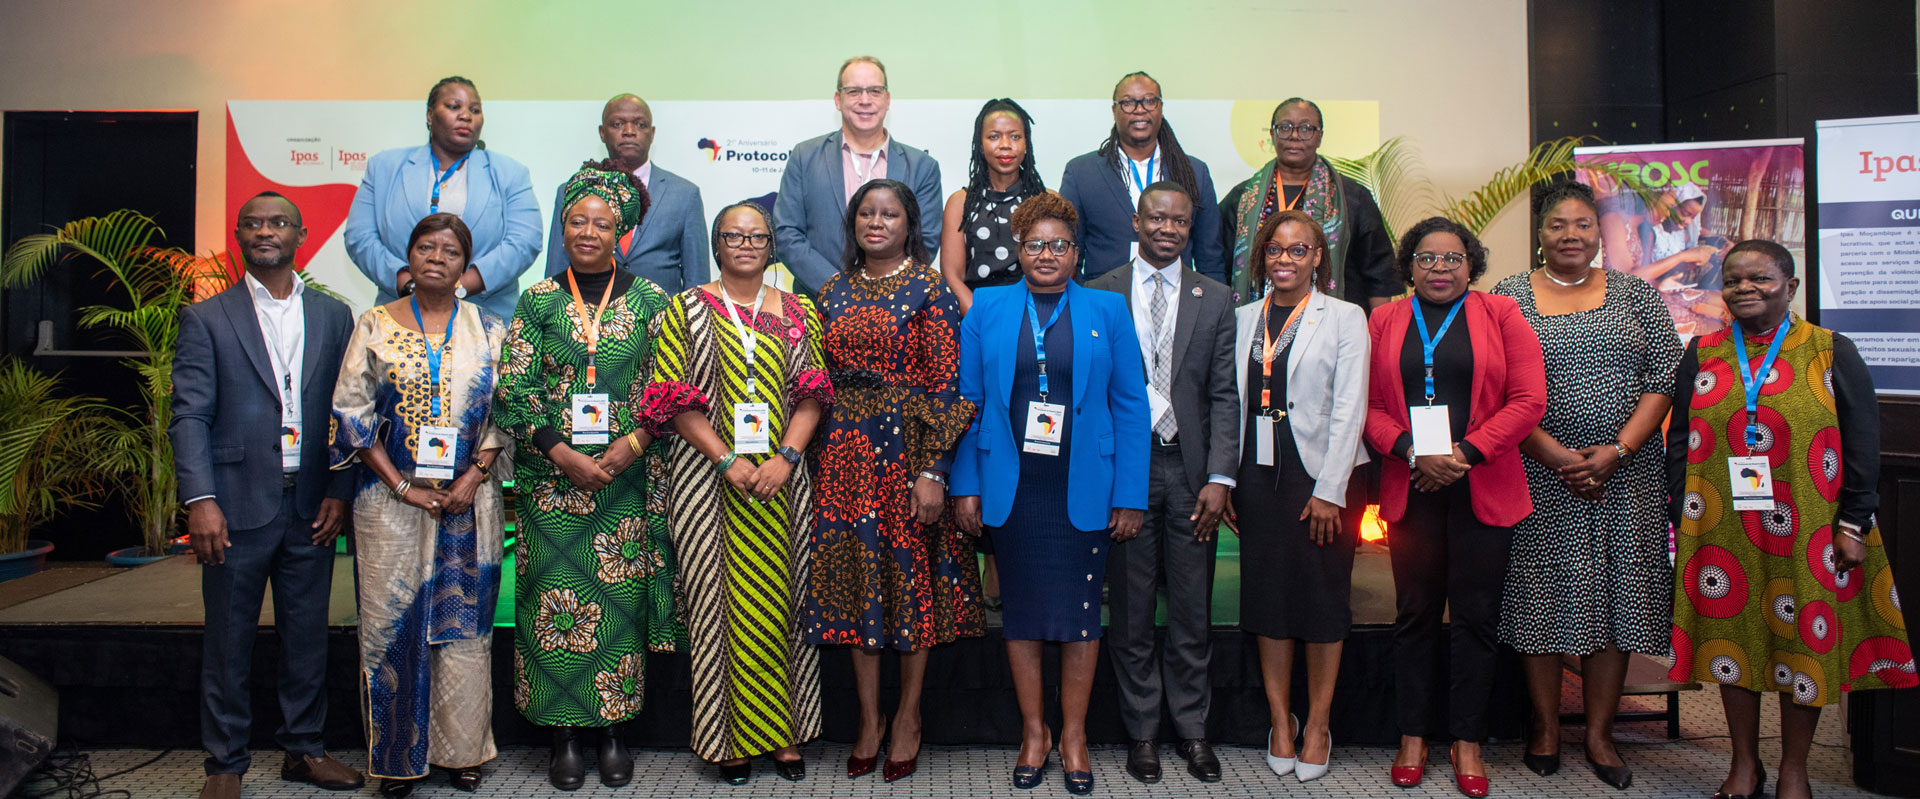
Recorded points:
(1589, 573)
(976, 242)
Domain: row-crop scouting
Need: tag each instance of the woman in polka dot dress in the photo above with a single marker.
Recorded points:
(976, 242)
(1797, 597)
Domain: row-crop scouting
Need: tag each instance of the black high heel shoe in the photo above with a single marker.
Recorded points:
(1759, 789)
(465, 779)
(1027, 777)
(737, 773)
(793, 770)
(398, 789)
(1620, 777)
(1079, 783)
(1543, 765)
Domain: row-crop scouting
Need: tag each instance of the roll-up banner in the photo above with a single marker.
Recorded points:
(1869, 242)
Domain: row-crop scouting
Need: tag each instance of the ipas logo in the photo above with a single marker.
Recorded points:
(354, 161)
(712, 147)
(303, 157)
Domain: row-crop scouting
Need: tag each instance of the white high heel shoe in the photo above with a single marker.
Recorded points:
(1308, 772)
(1282, 766)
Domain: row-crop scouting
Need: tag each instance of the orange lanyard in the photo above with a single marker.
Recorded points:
(1269, 349)
(590, 322)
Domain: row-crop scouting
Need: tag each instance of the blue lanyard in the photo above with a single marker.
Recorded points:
(434, 206)
(1752, 380)
(1429, 343)
(1040, 337)
(433, 352)
(1133, 171)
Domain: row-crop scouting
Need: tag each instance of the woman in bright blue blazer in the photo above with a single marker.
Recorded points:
(491, 193)
(1055, 464)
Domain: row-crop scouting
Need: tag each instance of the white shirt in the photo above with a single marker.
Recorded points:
(453, 193)
(1143, 287)
(283, 324)
(645, 175)
(1140, 174)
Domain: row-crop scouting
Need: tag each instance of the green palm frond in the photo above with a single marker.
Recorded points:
(116, 240)
(1548, 160)
(55, 452)
(1393, 173)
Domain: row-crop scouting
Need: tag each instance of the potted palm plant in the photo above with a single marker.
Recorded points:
(56, 453)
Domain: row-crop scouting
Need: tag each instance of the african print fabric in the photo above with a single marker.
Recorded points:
(1325, 201)
(593, 591)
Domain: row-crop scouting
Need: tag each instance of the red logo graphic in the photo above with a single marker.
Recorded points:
(303, 158)
(354, 161)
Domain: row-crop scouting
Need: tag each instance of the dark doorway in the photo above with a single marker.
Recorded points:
(67, 165)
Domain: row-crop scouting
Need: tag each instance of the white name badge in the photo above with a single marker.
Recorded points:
(752, 428)
(1752, 481)
(592, 418)
(433, 456)
(290, 446)
(1432, 430)
(1045, 422)
(1157, 404)
(1263, 453)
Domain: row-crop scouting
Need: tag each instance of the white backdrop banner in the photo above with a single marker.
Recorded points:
(1869, 191)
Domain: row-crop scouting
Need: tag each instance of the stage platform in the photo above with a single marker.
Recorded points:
(123, 648)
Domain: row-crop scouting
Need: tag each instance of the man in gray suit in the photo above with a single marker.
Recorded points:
(670, 245)
(253, 377)
(809, 215)
(1185, 325)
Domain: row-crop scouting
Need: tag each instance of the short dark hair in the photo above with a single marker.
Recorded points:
(1160, 186)
(1782, 260)
(859, 59)
(1561, 192)
(444, 221)
(1299, 101)
(1257, 260)
(713, 245)
(274, 195)
(1045, 205)
(1476, 252)
(434, 93)
(855, 258)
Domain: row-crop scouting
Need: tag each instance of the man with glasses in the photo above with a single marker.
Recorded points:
(253, 379)
(670, 245)
(1359, 251)
(1185, 324)
(822, 173)
(1105, 185)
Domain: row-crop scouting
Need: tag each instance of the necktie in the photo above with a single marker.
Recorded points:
(1162, 374)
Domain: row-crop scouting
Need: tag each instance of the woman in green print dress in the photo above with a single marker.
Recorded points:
(594, 564)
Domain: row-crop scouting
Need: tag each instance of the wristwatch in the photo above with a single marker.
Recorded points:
(485, 470)
(1625, 452)
(792, 455)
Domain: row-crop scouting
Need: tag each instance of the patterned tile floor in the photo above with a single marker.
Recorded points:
(1690, 767)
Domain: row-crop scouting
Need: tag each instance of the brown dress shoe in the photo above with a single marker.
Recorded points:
(221, 786)
(323, 771)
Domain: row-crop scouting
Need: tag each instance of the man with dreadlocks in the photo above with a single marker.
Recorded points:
(1105, 185)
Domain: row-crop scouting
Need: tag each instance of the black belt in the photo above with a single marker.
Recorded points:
(1166, 443)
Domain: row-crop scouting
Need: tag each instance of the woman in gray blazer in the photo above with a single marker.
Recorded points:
(1303, 386)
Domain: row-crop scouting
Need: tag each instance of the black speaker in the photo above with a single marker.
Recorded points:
(29, 722)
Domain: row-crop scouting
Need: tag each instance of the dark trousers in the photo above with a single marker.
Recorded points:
(1445, 561)
(1176, 673)
(302, 575)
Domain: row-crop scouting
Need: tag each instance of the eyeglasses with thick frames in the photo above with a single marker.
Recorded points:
(1442, 261)
(1132, 104)
(1034, 246)
(1285, 130)
(1297, 252)
(748, 241)
(854, 92)
(277, 223)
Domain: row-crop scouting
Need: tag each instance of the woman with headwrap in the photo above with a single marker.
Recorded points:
(594, 564)
(1359, 251)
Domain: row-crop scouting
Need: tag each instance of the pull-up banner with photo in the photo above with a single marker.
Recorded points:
(1707, 196)
(315, 152)
(1869, 281)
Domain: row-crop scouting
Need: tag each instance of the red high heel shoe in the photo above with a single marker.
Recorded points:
(1475, 787)
(861, 766)
(1410, 776)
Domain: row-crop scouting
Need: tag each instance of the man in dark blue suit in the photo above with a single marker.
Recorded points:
(670, 245)
(253, 378)
(809, 216)
(1105, 185)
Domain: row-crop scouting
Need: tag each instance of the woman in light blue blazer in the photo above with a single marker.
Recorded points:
(452, 172)
(1055, 465)
(1296, 505)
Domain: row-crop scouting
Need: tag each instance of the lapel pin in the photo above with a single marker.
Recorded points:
(1196, 291)
(1096, 334)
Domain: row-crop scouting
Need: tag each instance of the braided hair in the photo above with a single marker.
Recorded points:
(1025, 185)
(1179, 168)
(1561, 192)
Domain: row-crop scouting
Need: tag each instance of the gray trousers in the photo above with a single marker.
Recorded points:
(1173, 673)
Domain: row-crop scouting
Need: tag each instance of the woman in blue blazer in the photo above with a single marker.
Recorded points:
(1055, 464)
(452, 172)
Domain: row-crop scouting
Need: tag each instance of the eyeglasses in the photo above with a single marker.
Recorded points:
(854, 92)
(1433, 260)
(255, 223)
(1132, 104)
(1285, 130)
(749, 241)
(1297, 252)
(1058, 246)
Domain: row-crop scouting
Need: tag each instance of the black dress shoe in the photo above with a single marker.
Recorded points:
(1620, 777)
(1543, 765)
(465, 779)
(398, 789)
(1143, 761)
(616, 763)
(793, 770)
(736, 774)
(1201, 762)
(568, 771)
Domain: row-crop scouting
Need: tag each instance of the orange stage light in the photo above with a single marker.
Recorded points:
(1372, 528)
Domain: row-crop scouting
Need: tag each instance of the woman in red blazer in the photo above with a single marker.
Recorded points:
(1468, 365)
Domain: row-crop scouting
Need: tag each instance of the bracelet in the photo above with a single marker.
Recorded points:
(725, 463)
(1853, 534)
(934, 476)
(1623, 452)
(633, 440)
(401, 488)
